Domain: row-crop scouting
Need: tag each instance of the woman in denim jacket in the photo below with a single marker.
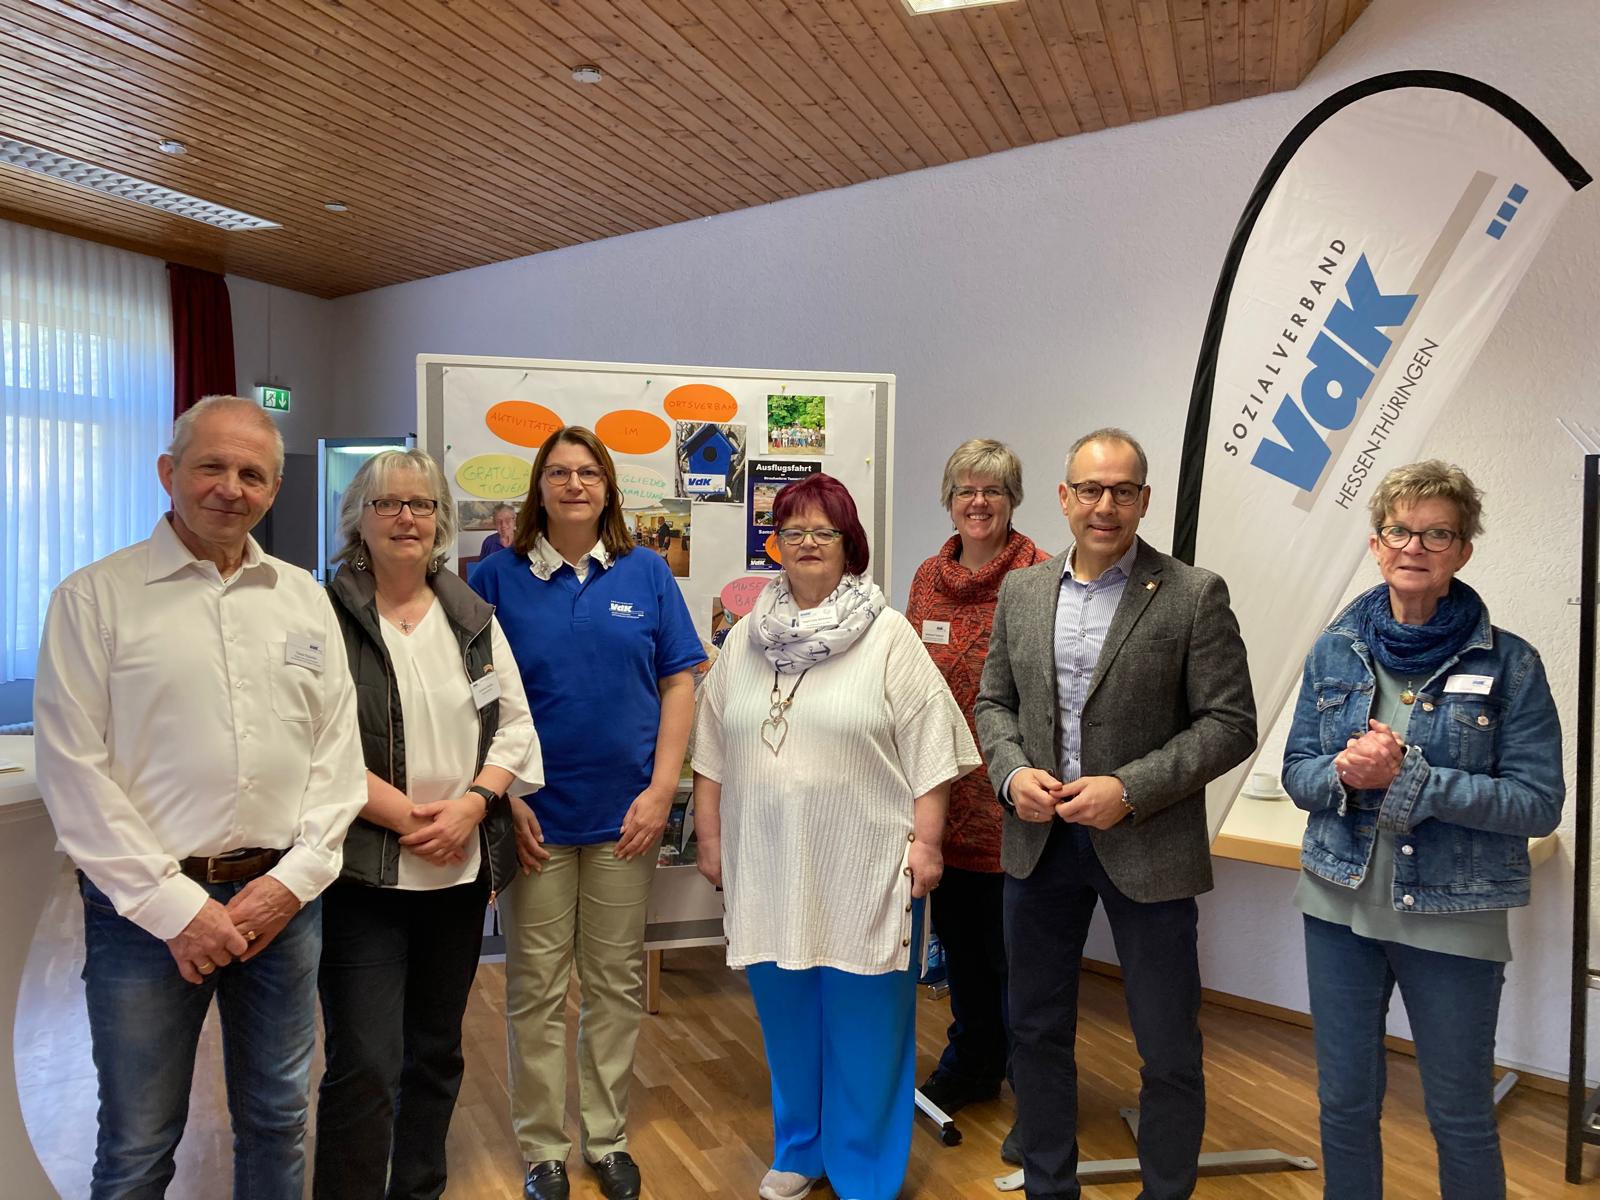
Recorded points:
(1427, 750)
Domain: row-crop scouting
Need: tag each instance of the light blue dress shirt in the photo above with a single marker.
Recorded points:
(1083, 618)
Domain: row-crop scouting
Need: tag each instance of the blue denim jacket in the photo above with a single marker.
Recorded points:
(1482, 774)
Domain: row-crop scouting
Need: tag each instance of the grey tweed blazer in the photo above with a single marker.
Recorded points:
(1169, 709)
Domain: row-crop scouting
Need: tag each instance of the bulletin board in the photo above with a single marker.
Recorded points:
(699, 453)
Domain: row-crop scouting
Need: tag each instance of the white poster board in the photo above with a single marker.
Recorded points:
(689, 443)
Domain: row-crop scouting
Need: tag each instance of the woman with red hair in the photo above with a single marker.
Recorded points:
(824, 751)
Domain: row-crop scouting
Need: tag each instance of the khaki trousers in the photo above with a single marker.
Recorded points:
(589, 902)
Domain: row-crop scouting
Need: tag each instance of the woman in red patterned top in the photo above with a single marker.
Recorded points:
(952, 608)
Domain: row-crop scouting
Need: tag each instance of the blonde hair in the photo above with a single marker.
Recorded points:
(373, 477)
(1430, 479)
(982, 458)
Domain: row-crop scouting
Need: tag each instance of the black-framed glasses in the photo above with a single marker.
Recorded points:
(822, 537)
(1090, 491)
(991, 494)
(420, 506)
(588, 476)
(1436, 541)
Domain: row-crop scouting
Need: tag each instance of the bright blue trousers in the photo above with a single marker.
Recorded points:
(842, 1052)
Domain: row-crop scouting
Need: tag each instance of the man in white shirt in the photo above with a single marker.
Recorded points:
(197, 751)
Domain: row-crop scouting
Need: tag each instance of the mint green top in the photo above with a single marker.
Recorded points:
(1368, 909)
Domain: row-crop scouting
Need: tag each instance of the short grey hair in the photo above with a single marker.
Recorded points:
(1430, 479)
(373, 477)
(1110, 433)
(982, 458)
(183, 427)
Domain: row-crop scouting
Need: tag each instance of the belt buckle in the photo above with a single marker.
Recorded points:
(232, 858)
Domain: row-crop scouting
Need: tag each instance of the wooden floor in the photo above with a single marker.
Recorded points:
(700, 1125)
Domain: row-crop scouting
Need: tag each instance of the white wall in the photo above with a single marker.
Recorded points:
(1032, 294)
(287, 339)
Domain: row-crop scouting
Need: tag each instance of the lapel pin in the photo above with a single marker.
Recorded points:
(1151, 586)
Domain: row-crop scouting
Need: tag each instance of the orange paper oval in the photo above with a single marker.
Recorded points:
(522, 422)
(774, 552)
(700, 402)
(739, 597)
(631, 431)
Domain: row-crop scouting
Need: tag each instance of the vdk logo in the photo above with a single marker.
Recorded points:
(1341, 372)
(624, 608)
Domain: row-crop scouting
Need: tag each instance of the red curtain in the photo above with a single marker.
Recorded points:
(202, 336)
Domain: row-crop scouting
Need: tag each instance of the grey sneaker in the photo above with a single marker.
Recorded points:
(785, 1185)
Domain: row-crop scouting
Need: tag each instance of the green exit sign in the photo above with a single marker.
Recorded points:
(274, 398)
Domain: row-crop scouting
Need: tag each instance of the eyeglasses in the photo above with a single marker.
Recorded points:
(991, 494)
(1436, 541)
(588, 476)
(822, 537)
(1089, 492)
(420, 506)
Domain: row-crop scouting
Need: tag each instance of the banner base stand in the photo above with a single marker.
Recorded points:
(1220, 1162)
(949, 1135)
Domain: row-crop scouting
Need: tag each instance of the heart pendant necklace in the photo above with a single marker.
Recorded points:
(776, 727)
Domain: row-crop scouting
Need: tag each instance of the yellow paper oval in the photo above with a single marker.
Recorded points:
(641, 486)
(494, 476)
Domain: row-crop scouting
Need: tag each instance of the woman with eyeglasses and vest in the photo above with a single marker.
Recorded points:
(445, 731)
(1427, 749)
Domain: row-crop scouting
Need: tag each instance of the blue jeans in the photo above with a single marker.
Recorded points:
(1454, 1005)
(144, 1023)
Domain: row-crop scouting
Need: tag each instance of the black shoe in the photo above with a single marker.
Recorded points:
(618, 1175)
(547, 1181)
(949, 1093)
(1011, 1148)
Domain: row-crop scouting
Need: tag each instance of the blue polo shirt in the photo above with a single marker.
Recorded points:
(591, 655)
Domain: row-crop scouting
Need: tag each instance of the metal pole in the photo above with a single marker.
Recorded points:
(1577, 1063)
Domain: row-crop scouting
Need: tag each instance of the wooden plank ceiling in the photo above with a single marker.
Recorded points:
(457, 135)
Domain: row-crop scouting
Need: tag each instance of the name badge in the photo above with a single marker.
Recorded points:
(824, 616)
(486, 689)
(1472, 685)
(301, 650)
(936, 633)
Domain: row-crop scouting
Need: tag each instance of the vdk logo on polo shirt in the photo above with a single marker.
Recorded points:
(624, 608)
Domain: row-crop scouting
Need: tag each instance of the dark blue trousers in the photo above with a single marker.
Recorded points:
(1046, 921)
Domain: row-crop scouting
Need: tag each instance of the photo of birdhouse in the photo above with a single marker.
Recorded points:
(710, 462)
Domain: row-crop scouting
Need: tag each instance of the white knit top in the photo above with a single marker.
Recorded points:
(815, 839)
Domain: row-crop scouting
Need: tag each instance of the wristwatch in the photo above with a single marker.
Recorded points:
(1127, 804)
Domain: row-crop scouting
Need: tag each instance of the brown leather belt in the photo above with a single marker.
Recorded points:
(236, 866)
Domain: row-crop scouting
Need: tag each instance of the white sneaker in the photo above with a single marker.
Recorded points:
(785, 1185)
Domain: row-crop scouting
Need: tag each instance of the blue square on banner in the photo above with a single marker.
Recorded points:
(1496, 229)
(1507, 211)
(1518, 193)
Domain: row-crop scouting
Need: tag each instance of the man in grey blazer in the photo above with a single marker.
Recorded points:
(1115, 689)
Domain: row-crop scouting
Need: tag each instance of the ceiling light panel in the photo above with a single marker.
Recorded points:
(125, 187)
(919, 7)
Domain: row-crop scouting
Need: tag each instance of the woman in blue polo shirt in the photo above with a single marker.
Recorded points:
(607, 650)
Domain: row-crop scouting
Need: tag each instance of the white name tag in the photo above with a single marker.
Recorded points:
(1473, 685)
(302, 651)
(936, 633)
(824, 616)
(486, 689)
